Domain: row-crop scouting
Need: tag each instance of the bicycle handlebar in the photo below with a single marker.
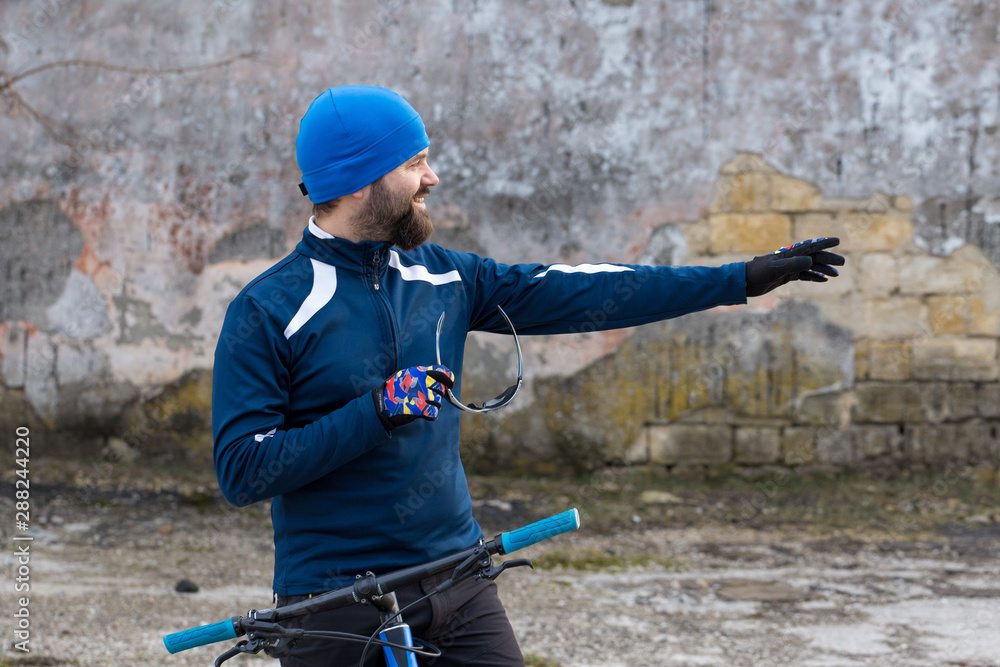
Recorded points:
(504, 543)
(540, 530)
(205, 634)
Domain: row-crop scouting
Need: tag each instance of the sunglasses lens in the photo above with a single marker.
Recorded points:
(493, 404)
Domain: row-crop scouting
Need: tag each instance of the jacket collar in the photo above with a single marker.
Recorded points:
(324, 247)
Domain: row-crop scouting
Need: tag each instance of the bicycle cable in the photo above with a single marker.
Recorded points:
(371, 640)
(425, 649)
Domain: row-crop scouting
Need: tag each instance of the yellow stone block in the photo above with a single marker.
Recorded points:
(890, 360)
(984, 316)
(720, 201)
(876, 203)
(793, 195)
(895, 317)
(750, 192)
(875, 232)
(697, 237)
(902, 203)
(946, 314)
(955, 359)
(817, 225)
(876, 274)
(798, 445)
(862, 352)
(957, 274)
(745, 163)
(754, 233)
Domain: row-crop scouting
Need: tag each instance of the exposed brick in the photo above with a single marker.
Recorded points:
(816, 225)
(745, 162)
(690, 444)
(897, 317)
(875, 204)
(981, 441)
(798, 445)
(877, 441)
(937, 443)
(988, 400)
(946, 314)
(918, 438)
(876, 274)
(750, 192)
(935, 401)
(955, 359)
(842, 285)
(862, 359)
(697, 236)
(875, 232)
(791, 194)
(928, 274)
(826, 409)
(890, 360)
(834, 446)
(757, 445)
(962, 399)
(984, 316)
(902, 203)
(888, 403)
(752, 233)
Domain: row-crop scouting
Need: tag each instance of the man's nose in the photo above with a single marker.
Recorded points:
(429, 178)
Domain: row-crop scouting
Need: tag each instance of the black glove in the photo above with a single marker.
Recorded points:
(410, 394)
(806, 260)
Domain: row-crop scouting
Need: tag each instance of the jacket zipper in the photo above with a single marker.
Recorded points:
(376, 262)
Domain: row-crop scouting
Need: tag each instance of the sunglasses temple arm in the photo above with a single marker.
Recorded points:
(517, 344)
(487, 407)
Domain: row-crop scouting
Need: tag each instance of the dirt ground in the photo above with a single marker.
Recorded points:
(773, 571)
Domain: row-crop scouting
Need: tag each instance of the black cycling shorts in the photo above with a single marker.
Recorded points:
(467, 623)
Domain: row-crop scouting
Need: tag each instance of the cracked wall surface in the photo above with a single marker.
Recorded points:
(150, 173)
(891, 366)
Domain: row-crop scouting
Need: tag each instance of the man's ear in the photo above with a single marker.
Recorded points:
(362, 193)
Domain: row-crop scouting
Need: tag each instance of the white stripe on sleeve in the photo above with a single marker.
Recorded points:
(584, 268)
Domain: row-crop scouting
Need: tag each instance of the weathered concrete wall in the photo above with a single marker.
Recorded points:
(909, 377)
(569, 131)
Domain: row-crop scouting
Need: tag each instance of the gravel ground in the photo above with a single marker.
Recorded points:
(103, 569)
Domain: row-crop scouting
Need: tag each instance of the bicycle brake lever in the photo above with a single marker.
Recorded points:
(470, 564)
(243, 646)
(493, 571)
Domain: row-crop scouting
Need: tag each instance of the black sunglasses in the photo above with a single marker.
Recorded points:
(508, 394)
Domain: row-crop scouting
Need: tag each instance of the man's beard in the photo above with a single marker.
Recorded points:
(388, 216)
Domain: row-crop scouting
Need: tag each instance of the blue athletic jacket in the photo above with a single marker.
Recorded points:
(303, 345)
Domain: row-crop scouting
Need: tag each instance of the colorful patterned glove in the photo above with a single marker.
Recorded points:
(412, 393)
(805, 260)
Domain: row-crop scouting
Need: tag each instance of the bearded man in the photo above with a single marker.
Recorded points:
(327, 398)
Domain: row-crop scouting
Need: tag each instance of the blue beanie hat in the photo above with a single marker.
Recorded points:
(352, 136)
